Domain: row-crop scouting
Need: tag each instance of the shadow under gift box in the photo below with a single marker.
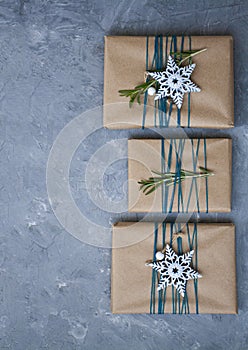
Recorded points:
(211, 194)
(132, 284)
(124, 68)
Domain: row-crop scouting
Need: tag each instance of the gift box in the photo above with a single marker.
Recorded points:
(127, 58)
(134, 284)
(158, 158)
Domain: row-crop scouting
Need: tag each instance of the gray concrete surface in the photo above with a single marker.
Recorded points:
(54, 289)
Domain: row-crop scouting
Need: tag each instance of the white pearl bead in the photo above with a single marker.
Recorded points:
(159, 256)
(151, 91)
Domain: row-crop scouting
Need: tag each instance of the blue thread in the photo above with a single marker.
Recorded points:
(195, 244)
(159, 105)
(162, 102)
(163, 233)
(188, 109)
(147, 52)
(154, 65)
(169, 113)
(179, 153)
(166, 191)
(160, 301)
(155, 113)
(206, 178)
(180, 252)
(154, 273)
(194, 180)
(146, 93)
(189, 96)
(159, 67)
(172, 287)
(182, 45)
(144, 109)
(171, 103)
(165, 98)
(177, 176)
(185, 304)
(163, 296)
(166, 49)
(188, 234)
(162, 293)
(174, 38)
(178, 109)
(178, 117)
(163, 171)
(180, 192)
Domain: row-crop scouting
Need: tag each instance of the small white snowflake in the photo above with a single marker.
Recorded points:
(174, 82)
(175, 270)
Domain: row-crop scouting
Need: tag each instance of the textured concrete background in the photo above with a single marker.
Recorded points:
(54, 289)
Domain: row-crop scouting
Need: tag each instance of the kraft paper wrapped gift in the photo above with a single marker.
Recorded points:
(212, 194)
(125, 65)
(214, 258)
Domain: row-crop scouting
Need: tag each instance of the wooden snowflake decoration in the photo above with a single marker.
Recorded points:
(174, 270)
(174, 82)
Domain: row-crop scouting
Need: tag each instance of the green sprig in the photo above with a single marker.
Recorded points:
(152, 183)
(185, 55)
(137, 91)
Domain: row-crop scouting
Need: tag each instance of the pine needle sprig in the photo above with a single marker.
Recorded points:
(181, 57)
(136, 93)
(152, 183)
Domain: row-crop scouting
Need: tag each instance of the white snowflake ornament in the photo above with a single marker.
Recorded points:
(175, 270)
(174, 82)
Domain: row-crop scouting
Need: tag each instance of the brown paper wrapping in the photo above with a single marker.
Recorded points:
(145, 156)
(124, 67)
(131, 279)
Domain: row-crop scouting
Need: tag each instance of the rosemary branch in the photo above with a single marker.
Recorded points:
(135, 94)
(137, 91)
(152, 183)
(186, 55)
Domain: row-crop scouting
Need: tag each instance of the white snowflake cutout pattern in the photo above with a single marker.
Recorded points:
(175, 270)
(174, 82)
